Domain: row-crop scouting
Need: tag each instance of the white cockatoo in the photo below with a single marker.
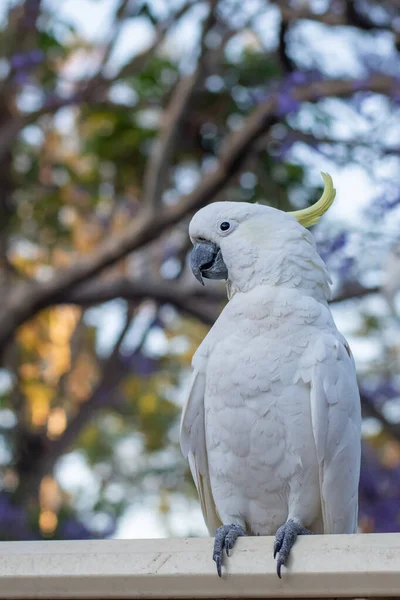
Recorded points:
(272, 423)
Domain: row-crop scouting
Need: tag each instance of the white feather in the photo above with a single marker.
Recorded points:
(336, 417)
(194, 448)
(271, 427)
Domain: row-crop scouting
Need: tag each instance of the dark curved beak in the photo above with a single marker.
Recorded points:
(206, 261)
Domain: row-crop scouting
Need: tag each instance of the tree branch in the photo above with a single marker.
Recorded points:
(200, 303)
(350, 17)
(157, 169)
(119, 21)
(287, 63)
(357, 19)
(28, 299)
(354, 291)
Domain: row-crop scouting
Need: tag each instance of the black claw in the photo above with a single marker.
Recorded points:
(278, 568)
(218, 562)
(284, 540)
(225, 537)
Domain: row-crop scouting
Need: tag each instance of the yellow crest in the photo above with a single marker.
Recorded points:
(311, 215)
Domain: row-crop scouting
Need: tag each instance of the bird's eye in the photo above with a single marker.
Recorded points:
(224, 226)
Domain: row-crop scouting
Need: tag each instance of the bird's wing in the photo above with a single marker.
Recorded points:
(193, 444)
(336, 420)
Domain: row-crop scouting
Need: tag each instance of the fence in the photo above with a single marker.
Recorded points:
(320, 567)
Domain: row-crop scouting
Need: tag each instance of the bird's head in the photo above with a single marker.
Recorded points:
(249, 244)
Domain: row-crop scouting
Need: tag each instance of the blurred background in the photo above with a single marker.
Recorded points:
(118, 120)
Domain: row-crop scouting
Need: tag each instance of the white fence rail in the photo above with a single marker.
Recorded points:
(320, 567)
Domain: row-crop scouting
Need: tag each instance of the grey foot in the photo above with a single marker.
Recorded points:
(225, 537)
(284, 539)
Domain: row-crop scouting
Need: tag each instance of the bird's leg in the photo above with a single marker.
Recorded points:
(225, 537)
(284, 539)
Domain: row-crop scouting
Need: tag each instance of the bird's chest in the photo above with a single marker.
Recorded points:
(251, 413)
(258, 421)
(259, 436)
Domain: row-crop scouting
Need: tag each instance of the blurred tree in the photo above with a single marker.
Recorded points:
(104, 159)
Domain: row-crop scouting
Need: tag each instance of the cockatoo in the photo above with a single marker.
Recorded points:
(272, 422)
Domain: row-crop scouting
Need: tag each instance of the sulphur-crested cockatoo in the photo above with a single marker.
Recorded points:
(271, 425)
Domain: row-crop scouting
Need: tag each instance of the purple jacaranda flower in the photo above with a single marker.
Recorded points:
(36, 56)
(286, 104)
(18, 61)
(339, 242)
(297, 77)
(14, 523)
(21, 77)
(379, 493)
(346, 265)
